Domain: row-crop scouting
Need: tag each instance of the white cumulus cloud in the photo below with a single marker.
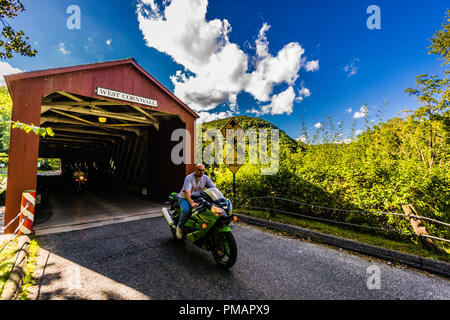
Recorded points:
(215, 70)
(302, 93)
(281, 103)
(5, 69)
(62, 49)
(207, 116)
(318, 125)
(272, 70)
(312, 65)
(351, 69)
(361, 113)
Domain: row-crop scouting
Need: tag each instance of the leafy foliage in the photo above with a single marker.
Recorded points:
(5, 118)
(6, 124)
(404, 160)
(246, 122)
(387, 166)
(440, 42)
(13, 41)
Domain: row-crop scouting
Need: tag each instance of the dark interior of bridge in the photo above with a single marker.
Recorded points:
(123, 149)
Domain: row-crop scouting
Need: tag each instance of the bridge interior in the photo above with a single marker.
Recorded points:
(123, 148)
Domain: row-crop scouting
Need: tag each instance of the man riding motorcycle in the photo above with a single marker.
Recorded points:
(194, 183)
(79, 179)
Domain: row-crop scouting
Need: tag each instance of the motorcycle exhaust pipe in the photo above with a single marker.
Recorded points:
(167, 216)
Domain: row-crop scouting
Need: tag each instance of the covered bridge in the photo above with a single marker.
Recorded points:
(112, 117)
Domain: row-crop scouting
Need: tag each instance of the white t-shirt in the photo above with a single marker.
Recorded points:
(194, 186)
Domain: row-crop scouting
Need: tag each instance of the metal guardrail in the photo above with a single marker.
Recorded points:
(342, 210)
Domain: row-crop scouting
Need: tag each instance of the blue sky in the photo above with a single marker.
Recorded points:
(275, 60)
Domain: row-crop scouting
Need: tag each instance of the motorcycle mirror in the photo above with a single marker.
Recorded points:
(228, 191)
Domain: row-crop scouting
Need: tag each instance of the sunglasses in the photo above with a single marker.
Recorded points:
(201, 170)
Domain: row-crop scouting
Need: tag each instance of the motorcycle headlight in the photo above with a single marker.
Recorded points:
(218, 211)
(81, 178)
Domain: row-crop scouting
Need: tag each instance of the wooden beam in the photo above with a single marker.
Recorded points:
(121, 154)
(150, 118)
(144, 113)
(70, 96)
(99, 125)
(45, 119)
(102, 138)
(114, 155)
(97, 109)
(145, 172)
(44, 109)
(133, 161)
(101, 112)
(91, 132)
(121, 125)
(127, 160)
(80, 119)
(76, 139)
(83, 103)
(135, 180)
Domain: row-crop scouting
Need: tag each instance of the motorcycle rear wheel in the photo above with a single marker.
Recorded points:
(224, 249)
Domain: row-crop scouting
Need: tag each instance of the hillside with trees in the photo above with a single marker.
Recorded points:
(403, 160)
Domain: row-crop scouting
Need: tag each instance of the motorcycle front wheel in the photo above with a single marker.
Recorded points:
(224, 249)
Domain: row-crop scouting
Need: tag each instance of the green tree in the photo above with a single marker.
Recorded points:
(6, 124)
(433, 94)
(5, 118)
(440, 42)
(11, 40)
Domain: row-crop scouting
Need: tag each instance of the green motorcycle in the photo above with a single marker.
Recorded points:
(208, 224)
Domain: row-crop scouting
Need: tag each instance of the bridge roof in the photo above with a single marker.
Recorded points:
(95, 66)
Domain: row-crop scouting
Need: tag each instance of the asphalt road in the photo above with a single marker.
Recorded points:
(141, 260)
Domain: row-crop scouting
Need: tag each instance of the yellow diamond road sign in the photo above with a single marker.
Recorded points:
(231, 124)
(233, 160)
(233, 167)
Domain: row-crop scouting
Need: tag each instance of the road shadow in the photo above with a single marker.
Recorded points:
(139, 256)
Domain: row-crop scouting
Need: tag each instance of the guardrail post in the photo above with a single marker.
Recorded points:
(272, 212)
(28, 198)
(419, 228)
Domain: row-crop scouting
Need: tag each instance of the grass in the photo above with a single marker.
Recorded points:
(409, 246)
(7, 257)
(28, 277)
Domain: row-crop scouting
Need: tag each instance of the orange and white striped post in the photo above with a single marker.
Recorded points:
(28, 198)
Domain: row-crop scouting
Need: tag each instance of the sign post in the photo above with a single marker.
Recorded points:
(233, 157)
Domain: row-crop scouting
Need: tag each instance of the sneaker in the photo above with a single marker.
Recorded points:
(179, 233)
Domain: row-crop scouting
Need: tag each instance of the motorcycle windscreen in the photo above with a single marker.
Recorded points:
(214, 194)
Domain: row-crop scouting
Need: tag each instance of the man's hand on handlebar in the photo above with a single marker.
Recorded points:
(194, 205)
